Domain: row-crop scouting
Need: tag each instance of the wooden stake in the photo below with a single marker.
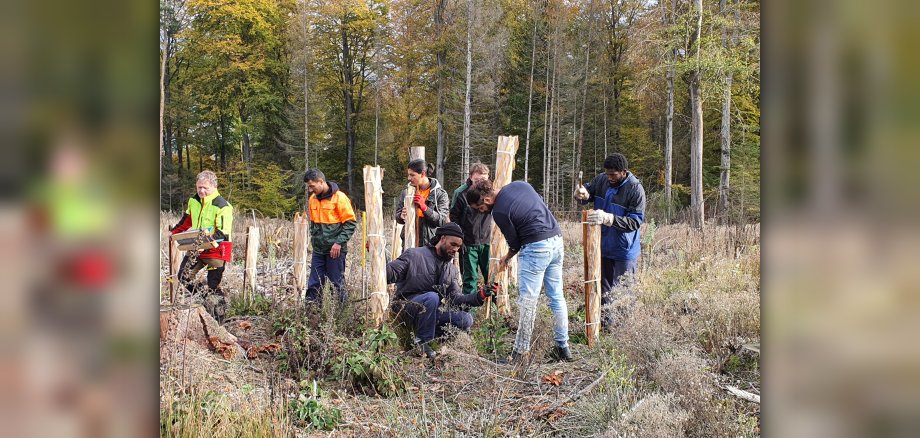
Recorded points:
(396, 240)
(504, 166)
(249, 268)
(592, 250)
(174, 260)
(373, 201)
(301, 239)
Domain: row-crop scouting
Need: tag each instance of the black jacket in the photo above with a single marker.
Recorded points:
(420, 270)
(522, 216)
(476, 226)
(434, 216)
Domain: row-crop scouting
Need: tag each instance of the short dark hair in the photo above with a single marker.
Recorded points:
(479, 189)
(616, 162)
(314, 175)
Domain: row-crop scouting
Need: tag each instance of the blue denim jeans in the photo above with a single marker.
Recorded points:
(540, 263)
(421, 312)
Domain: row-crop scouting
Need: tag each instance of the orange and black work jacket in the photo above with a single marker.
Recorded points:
(214, 213)
(332, 220)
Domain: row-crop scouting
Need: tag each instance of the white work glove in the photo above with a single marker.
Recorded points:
(582, 193)
(600, 217)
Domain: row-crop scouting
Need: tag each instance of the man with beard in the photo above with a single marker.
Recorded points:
(426, 275)
(619, 202)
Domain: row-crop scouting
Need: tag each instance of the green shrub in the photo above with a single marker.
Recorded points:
(364, 363)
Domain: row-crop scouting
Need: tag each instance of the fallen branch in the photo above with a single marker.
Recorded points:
(749, 396)
(573, 397)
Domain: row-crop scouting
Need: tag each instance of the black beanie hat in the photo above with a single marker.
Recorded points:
(448, 229)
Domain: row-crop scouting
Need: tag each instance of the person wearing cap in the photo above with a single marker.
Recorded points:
(425, 276)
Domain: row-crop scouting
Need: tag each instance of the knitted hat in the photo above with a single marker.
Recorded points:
(448, 229)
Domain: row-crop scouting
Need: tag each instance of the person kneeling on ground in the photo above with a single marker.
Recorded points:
(426, 275)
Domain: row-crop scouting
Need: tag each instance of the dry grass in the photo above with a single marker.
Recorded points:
(697, 301)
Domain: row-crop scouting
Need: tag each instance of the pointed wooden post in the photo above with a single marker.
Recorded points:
(175, 259)
(592, 249)
(301, 239)
(249, 268)
(397, 244)
(504, 165)
(377, 281)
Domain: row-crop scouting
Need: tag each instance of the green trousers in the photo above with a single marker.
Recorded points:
(473, 257)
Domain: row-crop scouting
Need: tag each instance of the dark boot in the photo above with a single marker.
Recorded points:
(424, 348)
(216, 304)
(515, 359)
(562, 354)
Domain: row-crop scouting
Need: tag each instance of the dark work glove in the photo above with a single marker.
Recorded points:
(490, 291)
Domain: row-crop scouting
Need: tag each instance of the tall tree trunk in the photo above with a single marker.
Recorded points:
(167, 141)
(441, 57)
(724, 186)
(533, 57)
(465, 162)
(163, 96)
(348, 96)
(584, 105)
(726, 136)
(180, 136)
(557, 184)
(222, 137)
(697, 218)
(188, 159)
(306, 101)
(669, 120)
(551, 133)
(605, 124)
(247, 150)
(547, 124)
(576, 149)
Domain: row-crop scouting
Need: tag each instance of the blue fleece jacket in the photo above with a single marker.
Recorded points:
(627, 202)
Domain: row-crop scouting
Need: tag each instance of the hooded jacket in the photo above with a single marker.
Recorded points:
(215, 213)
(434, 216)
(476, 226)
(420, 270)
(627, 202)
(332, 220)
